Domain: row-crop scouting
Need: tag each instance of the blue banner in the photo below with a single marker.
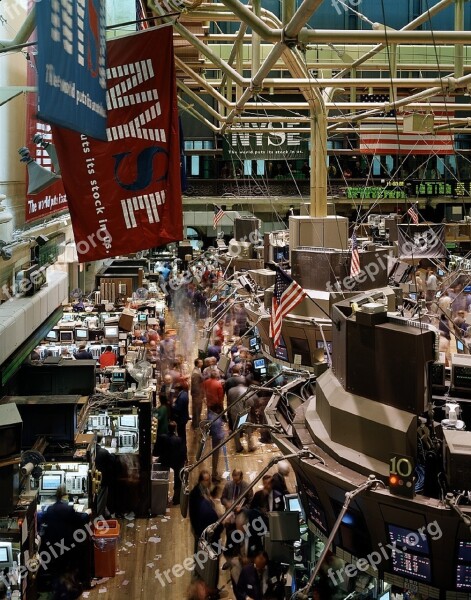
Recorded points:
(71, 65)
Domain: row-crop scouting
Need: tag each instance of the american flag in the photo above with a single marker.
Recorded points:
(218, 215)
(287, 295)
(393, 140)
(413, 214)
(355, 260)
(141, 14)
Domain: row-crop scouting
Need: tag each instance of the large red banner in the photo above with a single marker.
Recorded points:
(124, 195)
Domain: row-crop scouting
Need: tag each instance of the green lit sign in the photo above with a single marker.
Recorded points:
(375, 193)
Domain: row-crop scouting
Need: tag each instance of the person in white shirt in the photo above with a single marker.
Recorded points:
(431, 286)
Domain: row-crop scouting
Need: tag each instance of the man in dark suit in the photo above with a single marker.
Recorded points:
(260, 580)
(235, 488)
(180, 409)
(60, 522)
(267, 499)
(201, 508)
(173, 456)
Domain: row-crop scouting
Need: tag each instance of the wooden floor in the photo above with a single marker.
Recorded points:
(148, 547)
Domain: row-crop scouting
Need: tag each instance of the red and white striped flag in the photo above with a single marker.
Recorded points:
(414, 214)
(392, 139)
(140, 15)
(218, 215)
(355, 260)
(287, 295)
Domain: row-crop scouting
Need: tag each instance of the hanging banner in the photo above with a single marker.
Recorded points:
(124, 195)
(71, 65)
(252, 142)
(52, 199)
(421, 241)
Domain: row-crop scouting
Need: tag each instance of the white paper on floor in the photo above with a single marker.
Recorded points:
(125, 582)
(130, 516)
(154, 527)
(129, 544)
(150, 565)
(85, 594)
(102, 590)
(154, 539)
(130, 525)
(120, 572)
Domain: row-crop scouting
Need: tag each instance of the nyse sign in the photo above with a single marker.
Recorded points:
(257, 141)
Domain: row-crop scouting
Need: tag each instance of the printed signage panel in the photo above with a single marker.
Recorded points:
(71, 65)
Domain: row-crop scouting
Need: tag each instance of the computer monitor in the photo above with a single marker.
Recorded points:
(459, 346)
(67, 317)
(293, 503)
(118, 376)
(66, 336)
(241, 419)
(53, 336)
(253, 343)
(142, 317)
(127, 422)
(50, 481)
(6, 555)
(81, 334)
(259, 363)
(111, 332)
(413, 297)
(440, 273)
(385, 596)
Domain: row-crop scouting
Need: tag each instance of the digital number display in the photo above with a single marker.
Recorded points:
(407, 539)
(411, 565)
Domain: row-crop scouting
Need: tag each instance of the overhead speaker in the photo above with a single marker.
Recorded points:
(41, 240)
(51, 151)
(39, 178)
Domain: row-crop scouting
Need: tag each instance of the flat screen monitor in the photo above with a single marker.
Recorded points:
(293, 503)
(142, 317)
(68, 317)
(413, 297)
(81, 334)
(281, 353)
(385, 596)
(463, 577)
(214, 298)
(53, 336)
(467, 289)
(464, 551)
(284, 526)
(253, 343)
(50, 481)
(111, 332)
(128, 421)
(459, 346)
(66, 336)
(6, 555)
(440, 273)
(241, 420)
(259, 363)
(408, 539)
(412, 565)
